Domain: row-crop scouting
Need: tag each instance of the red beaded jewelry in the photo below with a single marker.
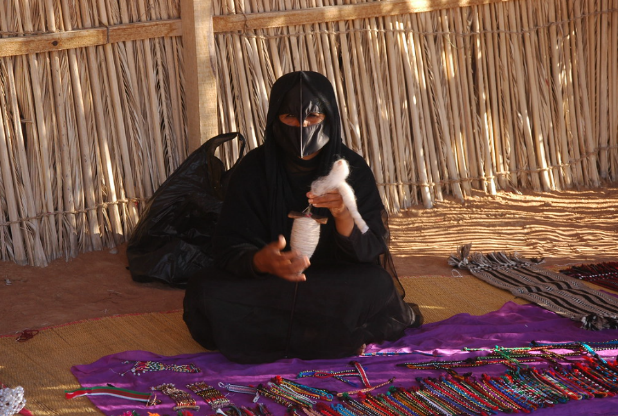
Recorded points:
(182, 398)
(211, 396)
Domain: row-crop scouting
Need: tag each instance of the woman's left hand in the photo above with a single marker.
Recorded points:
(334, 202)
(331, 200)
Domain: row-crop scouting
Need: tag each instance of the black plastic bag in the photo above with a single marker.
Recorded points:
(172, 239)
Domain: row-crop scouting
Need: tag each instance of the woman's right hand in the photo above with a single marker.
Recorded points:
(288, 265)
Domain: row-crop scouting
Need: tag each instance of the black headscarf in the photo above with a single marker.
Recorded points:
(289, 177)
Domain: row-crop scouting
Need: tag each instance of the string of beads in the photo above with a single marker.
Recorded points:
(578, 374)
(182, 399)
(211, 396)
(141, 367)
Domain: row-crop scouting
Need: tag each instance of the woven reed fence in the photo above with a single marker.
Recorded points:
(88, 129)
(502, 95)
(440, 100)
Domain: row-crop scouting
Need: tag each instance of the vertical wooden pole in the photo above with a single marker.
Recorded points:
(201, 85)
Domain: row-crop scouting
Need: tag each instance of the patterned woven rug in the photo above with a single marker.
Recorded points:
(601, 274)
(556, 292)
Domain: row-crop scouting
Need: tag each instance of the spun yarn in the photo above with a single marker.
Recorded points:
(305, 235)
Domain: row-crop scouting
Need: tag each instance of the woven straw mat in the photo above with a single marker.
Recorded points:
(42, 364)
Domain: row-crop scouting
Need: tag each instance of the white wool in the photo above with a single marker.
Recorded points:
(305, 235)
(338, 174)
(336, 179)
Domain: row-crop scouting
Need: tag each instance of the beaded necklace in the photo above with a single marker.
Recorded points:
(517, 355)
(459, 394)
(211, 396)
(291, 395)
(389, 406)
(512, 402)
(263, 410)
(435, 403)
(358, 371)
(365, 390)
(374, 404)
(506, 385)
(596, 345)
(521, 388)
(141, 367)
(182, 398)
(466, 392)
(360, 407)
(469, 386)
(494, 396)
(574, 390)
(325, 410)
(235, 388)
(534, 379)
(560, 389)
(598, 378)
(304, 390)
(399, 404)
(292, 411)
(582, 379)
(278, 399)
(310, 412)
(411, 400)
(342, 410)
(462, 406)
(399, 407)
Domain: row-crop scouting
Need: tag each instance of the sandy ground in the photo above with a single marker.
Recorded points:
(565, 228)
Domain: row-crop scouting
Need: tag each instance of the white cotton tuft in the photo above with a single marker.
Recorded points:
(338, 174)
(347, 193)
(336, 179)
(305, 235)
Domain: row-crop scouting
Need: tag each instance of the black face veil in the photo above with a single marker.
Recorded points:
(300, 94)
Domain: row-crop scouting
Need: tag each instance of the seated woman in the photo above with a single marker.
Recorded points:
(263, 302)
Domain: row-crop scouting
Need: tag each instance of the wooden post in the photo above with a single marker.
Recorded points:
(201, 84)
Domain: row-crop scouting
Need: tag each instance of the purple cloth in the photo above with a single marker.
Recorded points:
(511, 326)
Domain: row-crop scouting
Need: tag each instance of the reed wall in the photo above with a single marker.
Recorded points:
(90, 122)
(497, 95)
(440, 100)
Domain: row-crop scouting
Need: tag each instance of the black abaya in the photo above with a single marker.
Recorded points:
(348, 299)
